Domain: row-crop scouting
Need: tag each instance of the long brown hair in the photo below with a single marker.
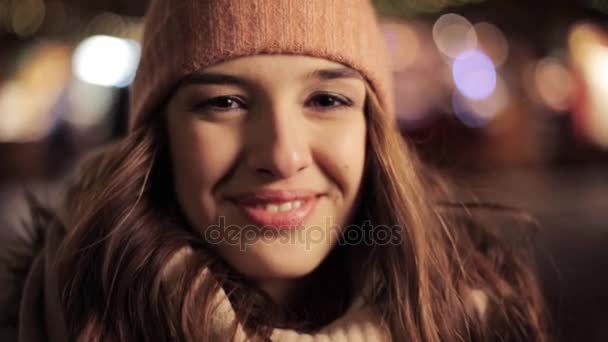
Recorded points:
(125, 226)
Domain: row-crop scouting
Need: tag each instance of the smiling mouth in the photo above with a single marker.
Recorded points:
(282, 212)
(280, 207)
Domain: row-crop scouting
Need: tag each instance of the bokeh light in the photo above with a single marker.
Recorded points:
(474, 74)
(553, 84)
(492, 41)
(598, 94)
(107, 23)
(17, 127)
(88, 105)
(477, 113)
(106, 61)
(27, 101)
(597, 65)
(589, 54)
(452, 36)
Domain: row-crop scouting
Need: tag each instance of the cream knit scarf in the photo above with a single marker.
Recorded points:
(41, 318)
(361, 323)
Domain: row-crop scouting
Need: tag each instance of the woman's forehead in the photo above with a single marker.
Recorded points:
(285, 67)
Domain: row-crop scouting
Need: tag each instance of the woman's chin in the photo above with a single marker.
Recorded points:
(268, 262)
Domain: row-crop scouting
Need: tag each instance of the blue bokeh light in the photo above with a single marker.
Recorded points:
(474, 74)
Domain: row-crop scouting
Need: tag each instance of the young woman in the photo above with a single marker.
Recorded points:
(264, 193)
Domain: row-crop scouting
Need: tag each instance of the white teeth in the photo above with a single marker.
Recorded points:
(272, 208)
(283, 207)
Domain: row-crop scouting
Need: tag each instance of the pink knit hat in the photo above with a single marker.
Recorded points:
(185, 36)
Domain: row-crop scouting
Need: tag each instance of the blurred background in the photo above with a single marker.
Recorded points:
(508, 96)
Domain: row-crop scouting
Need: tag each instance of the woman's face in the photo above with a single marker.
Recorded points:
(268, 155)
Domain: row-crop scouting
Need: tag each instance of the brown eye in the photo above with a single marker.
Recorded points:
(221, 103)
(326, 100)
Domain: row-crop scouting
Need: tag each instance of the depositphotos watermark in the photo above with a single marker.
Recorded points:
(243, 236)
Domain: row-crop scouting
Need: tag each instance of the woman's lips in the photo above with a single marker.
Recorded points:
(277, 209)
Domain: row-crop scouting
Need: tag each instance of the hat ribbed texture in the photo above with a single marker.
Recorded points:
(181, 37)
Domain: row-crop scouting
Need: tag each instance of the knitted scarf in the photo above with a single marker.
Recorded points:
(361, 322)
(41, 318)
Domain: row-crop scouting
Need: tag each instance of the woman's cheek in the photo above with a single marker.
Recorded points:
(348, 145)
(205, 154)
(343, 150)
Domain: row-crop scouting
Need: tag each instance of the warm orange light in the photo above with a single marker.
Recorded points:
(589, 53)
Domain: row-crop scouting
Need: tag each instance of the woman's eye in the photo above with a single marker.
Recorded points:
(329, 101)
(221, 103)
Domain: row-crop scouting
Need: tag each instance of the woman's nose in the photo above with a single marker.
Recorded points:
(278, 145)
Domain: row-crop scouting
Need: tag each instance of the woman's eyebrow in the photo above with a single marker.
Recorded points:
(225, 79)
(330, 74)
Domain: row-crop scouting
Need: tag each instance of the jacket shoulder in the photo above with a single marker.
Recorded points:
(27, 228)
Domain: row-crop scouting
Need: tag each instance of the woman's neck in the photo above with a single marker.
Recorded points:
(284, 292)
